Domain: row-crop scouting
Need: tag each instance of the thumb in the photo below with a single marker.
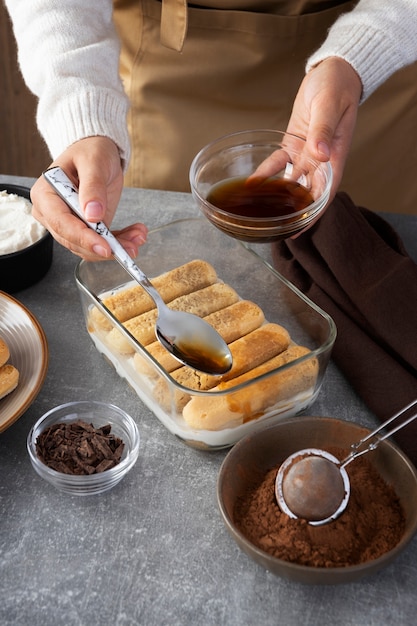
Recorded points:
(321, 131)
(94, 210)
(93, 197)
(330, 134)
(100, 176)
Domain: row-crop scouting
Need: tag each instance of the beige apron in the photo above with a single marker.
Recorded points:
(194, 73)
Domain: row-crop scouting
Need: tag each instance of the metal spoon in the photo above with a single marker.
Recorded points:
(187, 337)
(313, 485)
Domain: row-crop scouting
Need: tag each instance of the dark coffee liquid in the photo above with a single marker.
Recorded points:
(201, 356)
(260, 198)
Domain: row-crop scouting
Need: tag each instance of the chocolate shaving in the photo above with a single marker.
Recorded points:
(78, 448)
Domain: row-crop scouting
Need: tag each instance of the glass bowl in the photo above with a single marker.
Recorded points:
(252, 279)
(246, 465)
(279, 202)
(99, 414)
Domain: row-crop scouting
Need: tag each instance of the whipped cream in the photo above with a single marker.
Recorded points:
(18, 228)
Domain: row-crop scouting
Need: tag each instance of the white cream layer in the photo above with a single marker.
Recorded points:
(18, 228)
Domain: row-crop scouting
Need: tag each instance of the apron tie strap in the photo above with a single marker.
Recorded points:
(174, 23)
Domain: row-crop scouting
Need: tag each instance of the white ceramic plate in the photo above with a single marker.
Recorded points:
(28, 353)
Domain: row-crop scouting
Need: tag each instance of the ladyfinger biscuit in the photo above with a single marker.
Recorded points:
(201, 303)
(217, 412)
(9, 379)
(236, 320)
(135, 300)
(248, 352)
(4, 352)
(232, 322)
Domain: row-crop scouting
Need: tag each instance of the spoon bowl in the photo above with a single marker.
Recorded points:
(190, 339)
(196, 344)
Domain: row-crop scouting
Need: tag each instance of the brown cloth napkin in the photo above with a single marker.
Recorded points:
(353, 264)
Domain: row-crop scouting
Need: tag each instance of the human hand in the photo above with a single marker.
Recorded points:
(325, 111)
(324, 114)
(94, 165)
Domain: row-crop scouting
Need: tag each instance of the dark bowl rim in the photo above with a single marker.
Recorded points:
(39, 242)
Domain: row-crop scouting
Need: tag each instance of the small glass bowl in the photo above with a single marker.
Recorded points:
(99, 414)
(238, 156)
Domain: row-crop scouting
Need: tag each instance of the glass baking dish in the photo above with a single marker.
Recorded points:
(257, 401)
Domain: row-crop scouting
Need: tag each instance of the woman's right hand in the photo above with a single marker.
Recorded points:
(94, 165)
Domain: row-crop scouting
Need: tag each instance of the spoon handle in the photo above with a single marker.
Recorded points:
(68, 192)
(369, 439)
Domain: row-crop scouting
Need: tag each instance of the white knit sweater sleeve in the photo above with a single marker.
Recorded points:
(69, 57)
(378, 37)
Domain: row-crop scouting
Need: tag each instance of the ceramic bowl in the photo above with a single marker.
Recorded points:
(261, 214)
(252, 457)
(23, 268)
(29, 354)
(99, 414)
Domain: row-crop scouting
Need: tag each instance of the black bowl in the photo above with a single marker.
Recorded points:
(21, 269)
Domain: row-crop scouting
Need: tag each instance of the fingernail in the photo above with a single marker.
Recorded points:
(324, 149)
(139, 240)
(100, 251)
(93, 211)
(132, 252)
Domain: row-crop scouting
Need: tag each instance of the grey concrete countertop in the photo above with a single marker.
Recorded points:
(154, 550)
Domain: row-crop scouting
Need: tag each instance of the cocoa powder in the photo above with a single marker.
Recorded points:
(372, 524)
